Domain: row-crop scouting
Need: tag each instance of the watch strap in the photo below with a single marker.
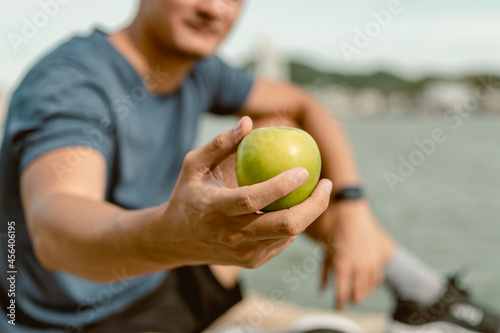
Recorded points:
(348, 193)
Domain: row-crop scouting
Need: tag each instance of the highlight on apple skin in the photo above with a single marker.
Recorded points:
(266, 152)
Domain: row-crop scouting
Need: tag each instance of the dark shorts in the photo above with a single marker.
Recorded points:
(189, 300)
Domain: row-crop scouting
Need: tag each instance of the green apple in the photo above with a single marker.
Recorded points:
(266, 152)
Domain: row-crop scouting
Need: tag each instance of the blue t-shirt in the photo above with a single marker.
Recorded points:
(85, 93)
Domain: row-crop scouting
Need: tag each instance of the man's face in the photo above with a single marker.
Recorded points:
(190, 27)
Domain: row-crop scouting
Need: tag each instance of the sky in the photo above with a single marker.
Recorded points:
(409, 37)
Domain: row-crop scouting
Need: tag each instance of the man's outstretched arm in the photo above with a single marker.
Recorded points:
(75, 230)
(357, 247)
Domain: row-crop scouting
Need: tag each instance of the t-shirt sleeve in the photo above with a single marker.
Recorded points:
(59, 106)
(231, 87)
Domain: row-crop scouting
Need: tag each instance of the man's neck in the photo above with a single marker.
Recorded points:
(161, 72)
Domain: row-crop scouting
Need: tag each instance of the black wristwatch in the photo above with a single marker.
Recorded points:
(348, 193)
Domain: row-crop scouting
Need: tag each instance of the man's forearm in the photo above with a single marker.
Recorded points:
(282, 103)
(338, 161)
(95, 239)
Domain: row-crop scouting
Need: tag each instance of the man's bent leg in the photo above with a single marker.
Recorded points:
(412, 279)
(227, 276)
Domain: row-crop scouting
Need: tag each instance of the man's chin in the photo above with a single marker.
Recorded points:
(196, 54)
(196, 51)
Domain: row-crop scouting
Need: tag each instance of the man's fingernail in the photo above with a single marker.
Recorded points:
(301, 176)
(329, 187)
(238, 127)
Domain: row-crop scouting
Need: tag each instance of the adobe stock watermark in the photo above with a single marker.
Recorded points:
(76, 153)
(32, 24)
(365, 34)
(125, 103)
(427, 147)
(94, 138)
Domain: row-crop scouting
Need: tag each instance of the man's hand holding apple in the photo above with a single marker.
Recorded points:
(213, 224)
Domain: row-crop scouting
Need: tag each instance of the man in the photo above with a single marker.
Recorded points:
(119, 227)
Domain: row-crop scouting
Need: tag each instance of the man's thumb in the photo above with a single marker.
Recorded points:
(223, 145)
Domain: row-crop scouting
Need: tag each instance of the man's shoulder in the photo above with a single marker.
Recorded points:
(82, 53)
(79, 59)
